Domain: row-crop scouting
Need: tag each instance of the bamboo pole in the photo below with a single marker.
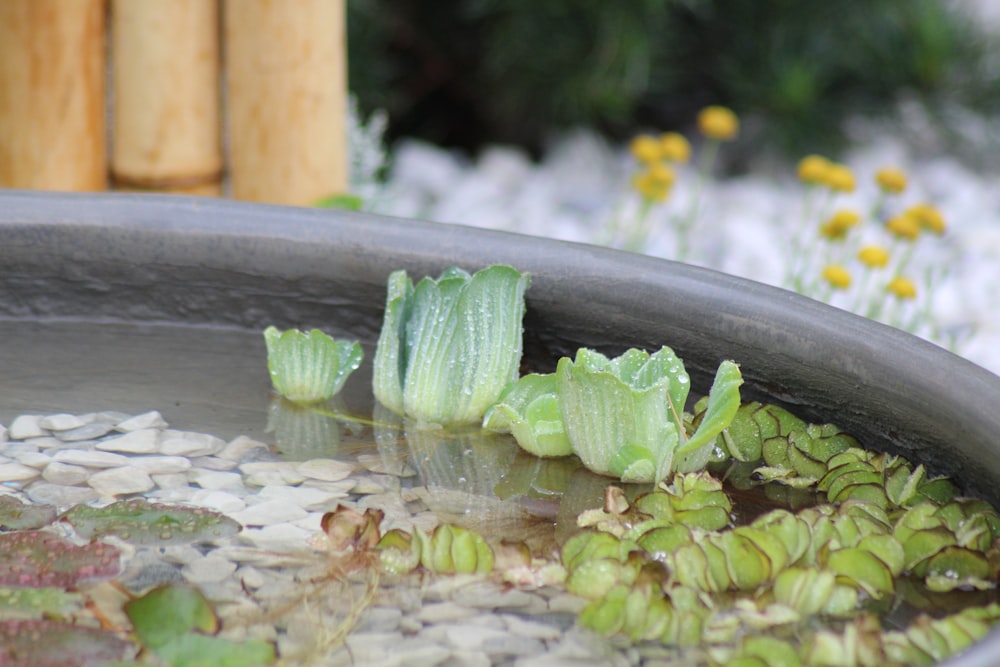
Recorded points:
(166, 96)
(52, 118)
(286, 97)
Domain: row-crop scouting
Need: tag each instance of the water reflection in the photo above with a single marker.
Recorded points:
(303, 432)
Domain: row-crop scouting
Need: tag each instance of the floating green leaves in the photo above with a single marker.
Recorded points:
(309, 367)
(36, 558)
(37, 602)
(142, 522)
(448, 347)
(46, 643)
(177, 623)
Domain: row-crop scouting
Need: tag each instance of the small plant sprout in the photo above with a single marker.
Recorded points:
(449, 346)
(309, 367)
(529, 409)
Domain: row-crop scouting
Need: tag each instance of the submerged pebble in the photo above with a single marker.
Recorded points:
(461, 620)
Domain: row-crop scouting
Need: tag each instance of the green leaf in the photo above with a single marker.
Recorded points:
(309, 367)
(723, 402)
(529, 410)
(38, 602)
(16, 515)
(140, 521)
(342, 201)
(448, 347)
(175, 623)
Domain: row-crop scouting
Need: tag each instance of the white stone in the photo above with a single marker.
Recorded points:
(313, 523)
(533, 629)
(161, 464)
(26, 426)
(16, 472)
(442, 612)
(238, 448)
(189, 443)
(92, 430)
(169, 494)
(212, 479)
(270, 513)
(33, 459)
(287, 472)
(50, 442)
(281, 536)
(59, 495)
(152, 419)
(214, 463)
(139, 441)
(61, 422)
(307, 498)
(171, 480)
(208, 569)
(64, 473)
(120, 481)
(221, 501)
(327, 470)
(90, 458)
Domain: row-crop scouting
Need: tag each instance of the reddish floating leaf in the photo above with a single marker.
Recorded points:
(36, 558)
(31, 643)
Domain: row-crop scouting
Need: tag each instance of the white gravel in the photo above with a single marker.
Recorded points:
(744, 224)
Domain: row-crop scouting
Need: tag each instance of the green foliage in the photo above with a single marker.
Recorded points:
(468, 71)
(309, 367)
(177, 623)
(449, 346)
(16, 515)
(140, 521)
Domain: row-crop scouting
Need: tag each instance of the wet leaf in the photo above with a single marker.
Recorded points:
(139, 521)
(309, 367)
(42, 643)
(176, 622)
(36, 559)
(16, 515)
(37, 602)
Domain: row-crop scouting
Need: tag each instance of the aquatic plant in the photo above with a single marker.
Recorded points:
(38, 558)
(64, 644)
(309, 367)
(623, 417)
(140, 521)
(17, 515)
(449, 346)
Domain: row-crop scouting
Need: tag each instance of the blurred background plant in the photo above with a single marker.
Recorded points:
(469, 72)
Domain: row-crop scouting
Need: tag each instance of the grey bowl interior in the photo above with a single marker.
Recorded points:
(211, 265)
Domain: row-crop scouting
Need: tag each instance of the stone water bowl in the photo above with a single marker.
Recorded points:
(139, 302)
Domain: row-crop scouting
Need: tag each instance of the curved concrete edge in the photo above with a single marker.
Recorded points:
(216, 262)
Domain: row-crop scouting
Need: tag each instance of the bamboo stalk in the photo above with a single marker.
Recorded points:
(166, 96)
(286, 96)
(52, 119)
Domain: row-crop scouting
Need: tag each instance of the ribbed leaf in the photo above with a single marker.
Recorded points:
(309, 367)
(529, 410)
(723, 402)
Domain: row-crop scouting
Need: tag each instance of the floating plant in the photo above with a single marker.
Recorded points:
(309, 367)
(36, 558)
(449, 346)
(38, 602)
(139, 521)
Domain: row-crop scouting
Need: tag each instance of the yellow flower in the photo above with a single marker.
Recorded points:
(839, 177)
(873, 256)
(928, 216)
(836, 228)
(904, 226)
(812, 169)
(838, 276)
(891, 179)
(902, 287)
(674, 147)
(645, 148)
(654, 182)
(717, 122)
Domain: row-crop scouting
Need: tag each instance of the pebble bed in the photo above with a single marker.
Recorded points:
(253, 578)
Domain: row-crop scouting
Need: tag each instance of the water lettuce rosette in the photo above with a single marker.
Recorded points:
(309, 367)
(449, 346)
(624, 416)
